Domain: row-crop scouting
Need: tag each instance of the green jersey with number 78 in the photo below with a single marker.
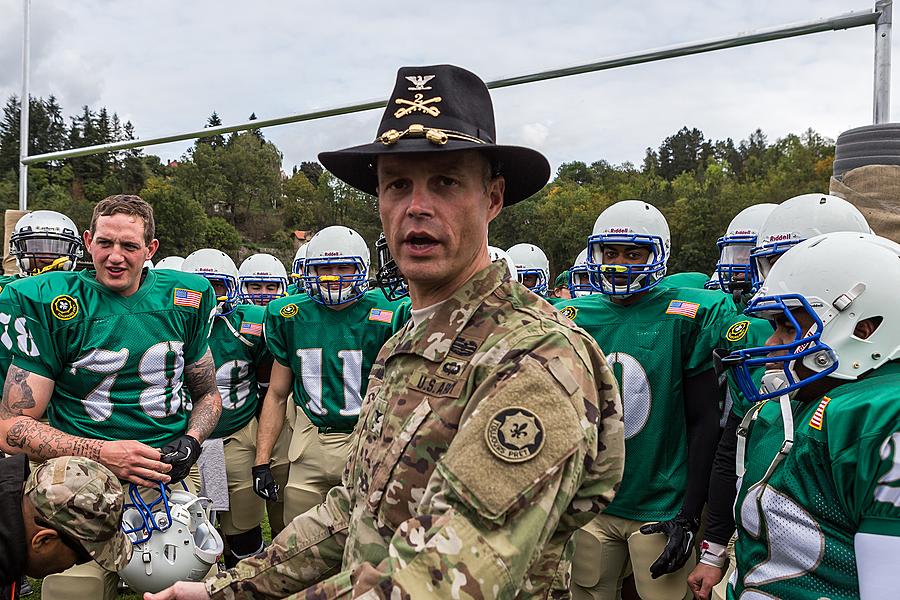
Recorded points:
(117, 362)
(330, 352)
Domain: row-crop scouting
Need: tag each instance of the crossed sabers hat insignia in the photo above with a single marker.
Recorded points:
(418, 104)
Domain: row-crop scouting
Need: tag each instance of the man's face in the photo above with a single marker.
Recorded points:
(218, 287)
(435, 210)
(270, 288)
(620, 254)
(336, 271)
(530, 280)
(118, 250)
(785, 332)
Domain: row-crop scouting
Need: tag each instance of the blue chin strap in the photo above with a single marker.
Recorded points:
(625, 280)
(539, 288)
(743, 362)
(580, 289)
(262, 298)
(736, 277)
(149, 524)
(317, 286)
(767, 251)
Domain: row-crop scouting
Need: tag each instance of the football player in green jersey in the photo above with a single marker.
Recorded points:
(296, 287)
(660, 342)
(324, 344)
(261, 279)
(242, 365)
(782, 227)
(818, 505)
(107, 355)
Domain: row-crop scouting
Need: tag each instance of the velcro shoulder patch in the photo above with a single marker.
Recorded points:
(524, 428)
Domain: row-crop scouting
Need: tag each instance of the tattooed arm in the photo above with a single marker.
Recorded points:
(200, 378)
(25, 398)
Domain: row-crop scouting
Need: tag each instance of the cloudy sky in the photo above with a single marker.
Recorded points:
(167, 64)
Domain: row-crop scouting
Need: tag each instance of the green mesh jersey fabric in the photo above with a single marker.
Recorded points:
(745, 332)
(118, 362)
(6, 321)
(690, 279)
(330, 352)
(651, 351)
(842, 477)
(238, 348)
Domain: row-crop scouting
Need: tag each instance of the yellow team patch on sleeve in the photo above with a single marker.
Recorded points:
(738, 331)
(288, 310)
(64, 307)
(819, 416)
(569, 312)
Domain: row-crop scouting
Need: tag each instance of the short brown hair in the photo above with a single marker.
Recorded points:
(126, 204)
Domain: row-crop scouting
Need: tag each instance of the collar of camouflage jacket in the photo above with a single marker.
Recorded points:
(433, 338)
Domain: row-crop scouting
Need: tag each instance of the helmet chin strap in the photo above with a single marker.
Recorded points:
(56, 265)
(771, 381)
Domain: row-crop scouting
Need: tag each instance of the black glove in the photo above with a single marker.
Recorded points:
(680, 545)
(181, 454)
(264, 484)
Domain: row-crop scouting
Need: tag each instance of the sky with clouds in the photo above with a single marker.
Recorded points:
(166, 65)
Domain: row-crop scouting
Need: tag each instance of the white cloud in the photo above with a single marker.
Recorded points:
(533, 134)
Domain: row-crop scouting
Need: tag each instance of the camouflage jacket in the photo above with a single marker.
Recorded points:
(490, 432)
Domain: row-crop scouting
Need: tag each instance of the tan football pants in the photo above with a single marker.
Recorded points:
(317, 464)
(603, 548)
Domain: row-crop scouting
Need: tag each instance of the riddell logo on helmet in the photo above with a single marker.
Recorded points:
(619, 230)
(743, 232)
(331, 254)
(780, 237)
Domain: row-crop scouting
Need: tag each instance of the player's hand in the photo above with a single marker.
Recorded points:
(134, 462)
(680, 532)
(702, 580)
(181, 590)
(181, 454)
(263, 483)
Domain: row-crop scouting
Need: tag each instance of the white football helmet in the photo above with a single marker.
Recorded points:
(218, 267)
(733, 266)
(629, 223)
(45, 240)
(531, 261)
(299, 259)
(173, 539)
(838, 279)
(336, 246)
(499, 254)
(148, 264)
(263, 269)
(173, 263)
(797, 219)
(579, 277)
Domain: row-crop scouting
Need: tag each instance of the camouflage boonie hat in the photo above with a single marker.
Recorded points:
(83, 500)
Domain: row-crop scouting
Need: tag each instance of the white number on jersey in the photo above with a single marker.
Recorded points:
(161, 368)
(888, 489)
(23, 337)
(233, 381)
(311, 377)
(636, 396)
(795, 541)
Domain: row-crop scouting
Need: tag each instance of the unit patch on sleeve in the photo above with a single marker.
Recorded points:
(288, 310)
(569, 312)
(64, 307)
(514, 434)
(738, 331)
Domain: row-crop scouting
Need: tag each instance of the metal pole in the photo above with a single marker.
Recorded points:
(844, 21)
(881, 105)
(26, 105)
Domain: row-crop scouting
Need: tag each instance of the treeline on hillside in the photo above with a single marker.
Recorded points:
(229, 192)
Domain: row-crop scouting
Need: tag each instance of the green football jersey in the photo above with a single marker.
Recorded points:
(238, 348)
(744, 332)
(6, 341)
(842, 477)
(330, 352)
(652, 345)
(690, 279)
(295, 287)
(118, 362)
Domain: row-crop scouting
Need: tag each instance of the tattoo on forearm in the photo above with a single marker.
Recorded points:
(42, 441)
(200, 378)
(17, 394)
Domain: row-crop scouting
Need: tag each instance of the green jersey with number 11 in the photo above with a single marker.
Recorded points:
(330, 352)
(117, 362)
(842, 477)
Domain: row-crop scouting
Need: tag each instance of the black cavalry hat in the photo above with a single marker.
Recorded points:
(440, 108)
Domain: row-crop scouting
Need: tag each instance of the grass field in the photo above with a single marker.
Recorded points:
(36, 583)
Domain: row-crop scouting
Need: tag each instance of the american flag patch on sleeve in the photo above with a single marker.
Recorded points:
(185, 297)
(816, 421)
(382, 316)
(251, 328)
(680, 307)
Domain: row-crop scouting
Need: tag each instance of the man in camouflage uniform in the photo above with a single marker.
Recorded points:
(491, 428)
(67, 511)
